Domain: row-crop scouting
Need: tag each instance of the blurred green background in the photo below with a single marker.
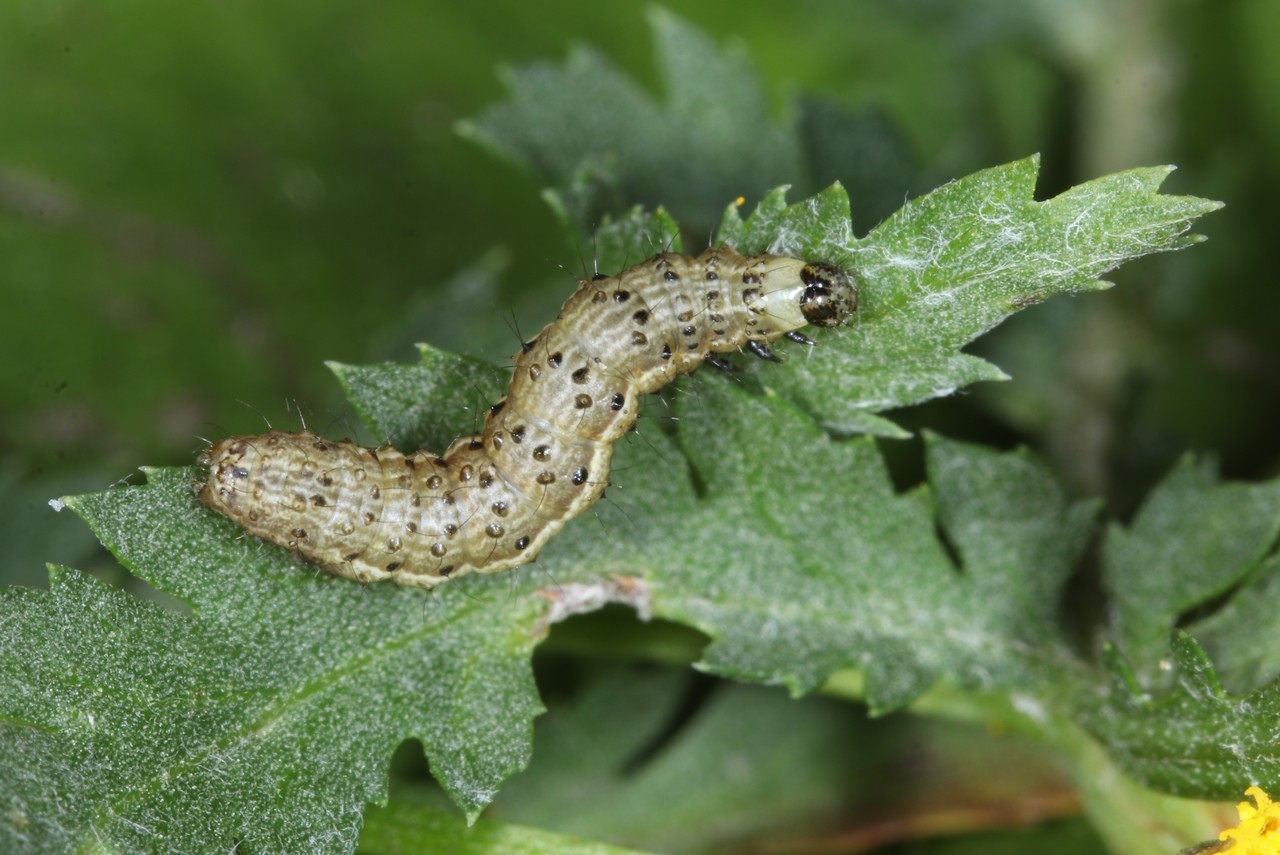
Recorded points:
(201, 203)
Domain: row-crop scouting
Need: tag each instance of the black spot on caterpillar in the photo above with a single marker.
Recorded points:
(491, 501)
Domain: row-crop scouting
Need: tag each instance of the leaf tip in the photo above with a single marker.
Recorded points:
(1123, 679)
(59, 575)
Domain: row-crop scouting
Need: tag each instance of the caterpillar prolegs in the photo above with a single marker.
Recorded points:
(491, 501)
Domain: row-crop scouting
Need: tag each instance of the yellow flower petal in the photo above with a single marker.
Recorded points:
(1259, 830)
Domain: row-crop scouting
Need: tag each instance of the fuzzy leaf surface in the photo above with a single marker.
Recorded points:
(1168, 720)
(1193, 538)
(268, 714)
(1195, 739)
(793, 580)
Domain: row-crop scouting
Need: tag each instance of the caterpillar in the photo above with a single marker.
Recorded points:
(492, 501)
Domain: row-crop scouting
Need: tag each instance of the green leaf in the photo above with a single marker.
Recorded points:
(948, 267)
(586, 128)
(799, 558)
(1195, 740)
(1017, 537)
(622, 241)
(269, 713)
(1238, 635)
(425, 404)
(1167, 720)
(1193, 539)
(97, 732)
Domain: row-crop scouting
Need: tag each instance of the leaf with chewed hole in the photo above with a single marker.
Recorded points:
(799, 558)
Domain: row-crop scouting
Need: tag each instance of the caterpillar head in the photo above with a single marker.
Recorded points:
(804, 293)
(829, 297)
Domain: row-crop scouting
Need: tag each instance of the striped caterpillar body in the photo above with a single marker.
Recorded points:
(491, 501)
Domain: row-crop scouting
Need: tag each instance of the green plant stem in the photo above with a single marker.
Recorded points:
(1131, 818)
